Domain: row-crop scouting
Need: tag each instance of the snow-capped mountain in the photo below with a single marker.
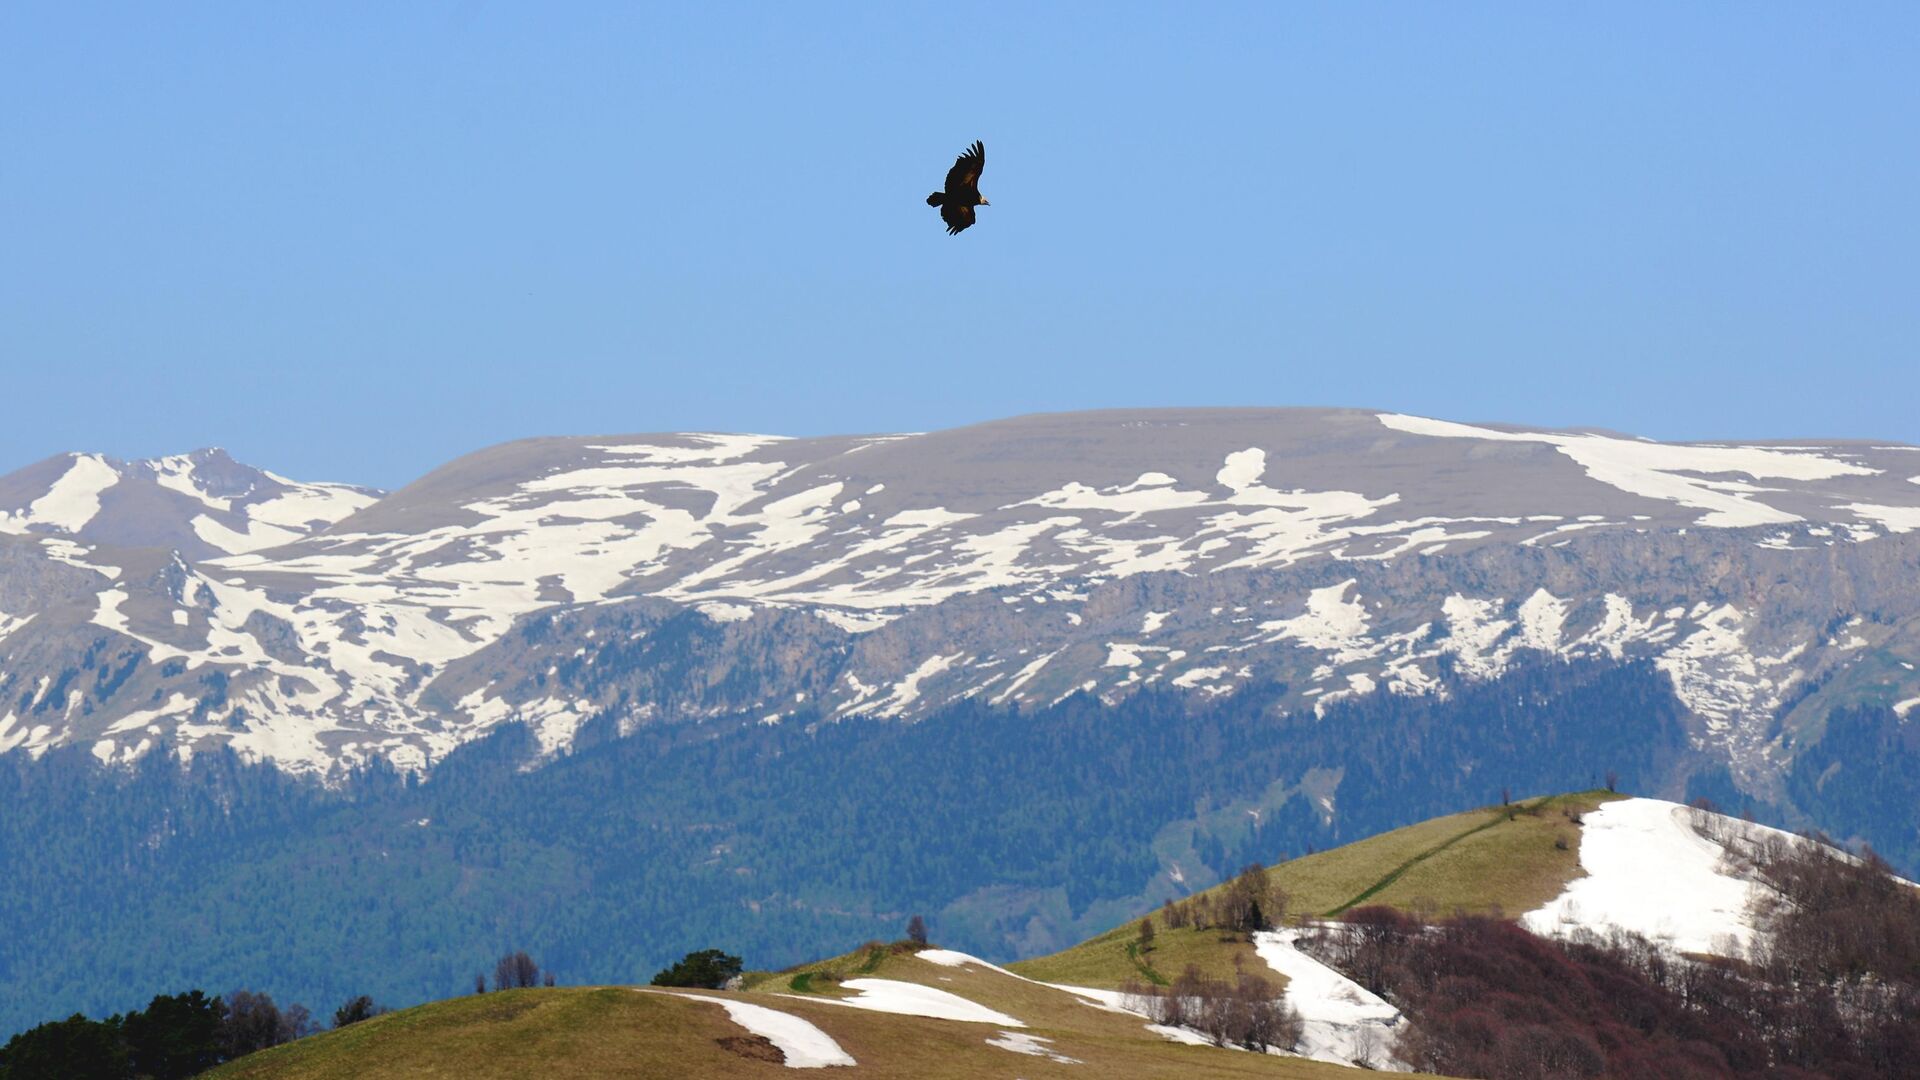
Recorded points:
(675, 577)
(201, 504)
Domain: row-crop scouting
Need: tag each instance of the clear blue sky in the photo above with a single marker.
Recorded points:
(352, 241)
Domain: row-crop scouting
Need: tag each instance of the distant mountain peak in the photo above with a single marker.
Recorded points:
(202, 503)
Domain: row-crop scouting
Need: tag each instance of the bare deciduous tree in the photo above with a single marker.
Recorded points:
(253, 1022)
(1246, 1012)
(514, 971)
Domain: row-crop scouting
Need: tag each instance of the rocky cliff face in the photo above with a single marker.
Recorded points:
(671, 578)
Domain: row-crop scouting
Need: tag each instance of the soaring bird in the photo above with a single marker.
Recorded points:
(963, 190)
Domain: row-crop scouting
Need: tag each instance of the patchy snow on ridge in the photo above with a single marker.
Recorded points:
(908, 690)
(1895, 519)
(1024, 676)
(913, 999)
(71, 502)
(1649, 871)
(1332, 622)
(1660, 470)
(1541, 617)
(1340, 1021)
(336, 611)
(1474, 632)
(952, 958)
(304, 505)
(1722, 678)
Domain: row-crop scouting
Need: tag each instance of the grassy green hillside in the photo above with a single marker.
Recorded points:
(1508, 859)
(630, 1032)
(1505, 859)
(594, 1032)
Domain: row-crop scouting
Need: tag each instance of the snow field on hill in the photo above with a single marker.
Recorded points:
(1340, 1021)
(913, 999)
(1649, 871)
(802, 1044)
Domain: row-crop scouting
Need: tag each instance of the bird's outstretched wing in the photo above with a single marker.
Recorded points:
(956, 217)
(965, 174)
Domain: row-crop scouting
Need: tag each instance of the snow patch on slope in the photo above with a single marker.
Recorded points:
(1474, 631)
(305, 505)
(1895, 519)
(913, 999)
(1024, 676)
(1662, 470)
(1340, 1020)
(71, 501)
(907, 691)
(1649, 871)
(801, 1043)
(1332, 622)
(1032, 1046)
(252, 536)
(1541, 618)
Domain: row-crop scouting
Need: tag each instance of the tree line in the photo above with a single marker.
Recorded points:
(183, 1035)
(175, 1036)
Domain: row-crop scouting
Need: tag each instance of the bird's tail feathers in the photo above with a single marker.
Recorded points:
(936, 199)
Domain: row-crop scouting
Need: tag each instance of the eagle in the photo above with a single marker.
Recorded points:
(963, 190)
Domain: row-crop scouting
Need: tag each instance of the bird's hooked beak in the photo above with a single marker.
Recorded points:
(984, 202)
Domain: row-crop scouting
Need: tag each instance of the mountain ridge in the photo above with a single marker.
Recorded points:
(1343, 552)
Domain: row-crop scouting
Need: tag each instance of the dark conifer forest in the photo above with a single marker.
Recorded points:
(774, 843)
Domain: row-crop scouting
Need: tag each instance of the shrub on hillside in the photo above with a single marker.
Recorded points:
(357, 1009)
(709, 968)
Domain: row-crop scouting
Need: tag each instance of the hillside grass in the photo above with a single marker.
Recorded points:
(513, 1033)
(1107, 962)
(824, 976)
(1506, 868)
(653, 1032)
(1493, 860)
